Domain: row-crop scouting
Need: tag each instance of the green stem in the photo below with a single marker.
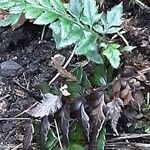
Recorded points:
(78, 22)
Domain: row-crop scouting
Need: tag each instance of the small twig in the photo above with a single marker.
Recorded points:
(3, 97)
(16, 147)
(10, 133)
(123, 38)
(141, 145)
(132, 136)
(142, 5)
(36, 97)
(59, 140)
(145, 70)
(148, 98)
(13, 119)
(65, 65)
(21, 146)
(26, 110)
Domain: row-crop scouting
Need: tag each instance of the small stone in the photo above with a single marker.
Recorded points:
(10, 68)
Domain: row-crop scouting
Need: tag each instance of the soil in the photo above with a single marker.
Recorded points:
(24, 47)
(31, 68)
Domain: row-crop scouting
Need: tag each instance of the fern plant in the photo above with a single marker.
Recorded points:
(77, 22)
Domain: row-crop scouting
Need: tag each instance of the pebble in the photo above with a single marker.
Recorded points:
(10, 68)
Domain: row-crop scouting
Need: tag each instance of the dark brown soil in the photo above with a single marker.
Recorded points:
(25, 48)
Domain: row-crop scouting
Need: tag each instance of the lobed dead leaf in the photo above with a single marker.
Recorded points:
(49, 105)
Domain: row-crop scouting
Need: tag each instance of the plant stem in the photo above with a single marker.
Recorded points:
(123, 38)
(14, 119)
(78, 22)
(42, 35)
(59, 140)
(142, 5)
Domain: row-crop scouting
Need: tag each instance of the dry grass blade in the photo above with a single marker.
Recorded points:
(128, 136)
(141, 146)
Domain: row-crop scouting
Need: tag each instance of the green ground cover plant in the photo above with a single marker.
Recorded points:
(89, 30)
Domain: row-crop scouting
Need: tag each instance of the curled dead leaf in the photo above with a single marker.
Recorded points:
(96, 105)
(128, 98)
(84, 120)
(57, 62)
(126, 95)
(77, 111)
(123, 84)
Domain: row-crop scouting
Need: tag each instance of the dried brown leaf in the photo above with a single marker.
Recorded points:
(96, 105)
(116, 86)
(49, 105)
(84, 120)
(127, 99)
(138, 96)
(101, 3)
(126, 95)
(3, 13)
(77, 110)
(114, 112)
(57, 62)
(123, 84)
